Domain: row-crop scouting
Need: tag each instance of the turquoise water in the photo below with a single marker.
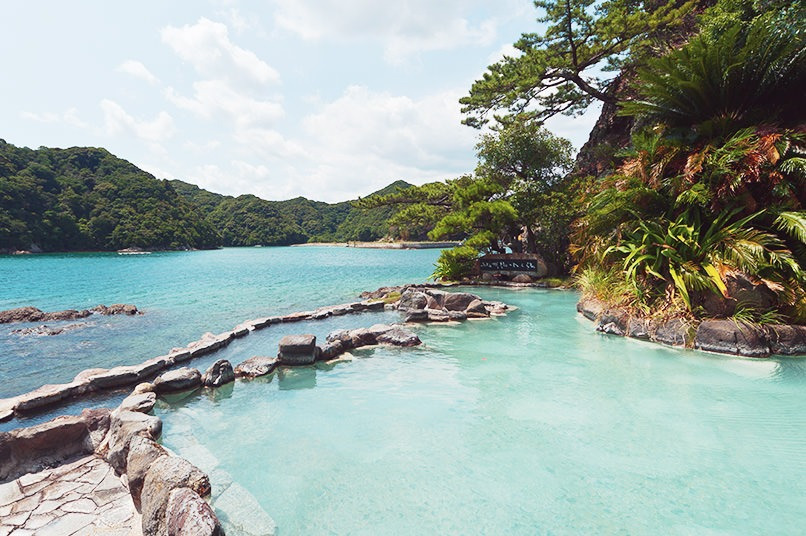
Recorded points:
(183, 295)
(527, 424)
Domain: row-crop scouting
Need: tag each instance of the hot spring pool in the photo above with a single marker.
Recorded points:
(526, 424)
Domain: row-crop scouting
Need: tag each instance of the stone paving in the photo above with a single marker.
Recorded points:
(81, 498)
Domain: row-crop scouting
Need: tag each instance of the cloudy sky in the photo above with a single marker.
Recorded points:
(321, 98)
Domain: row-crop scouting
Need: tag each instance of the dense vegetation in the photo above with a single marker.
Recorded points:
(87, 199)
(247, 220)
(701, 213)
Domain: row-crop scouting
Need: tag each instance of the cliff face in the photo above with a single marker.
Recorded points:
(610, 133)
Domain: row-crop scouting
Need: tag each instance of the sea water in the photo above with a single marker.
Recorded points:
(182, 295)
(526, 424)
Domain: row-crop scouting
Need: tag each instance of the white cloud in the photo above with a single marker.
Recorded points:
(207, 47)
(119, 121)
(406, 27)
(217, 98)
(69, 116)
(137, 70)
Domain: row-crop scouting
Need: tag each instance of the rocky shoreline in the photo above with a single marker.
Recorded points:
(32, 314)
(149, 485)
(722, 336)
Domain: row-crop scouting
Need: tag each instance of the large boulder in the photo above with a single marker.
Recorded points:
(476, 309)
(218, 374)
(124, 425)
(187, 514)
(143, 452)
(522, 278)
(399, 336)
(298, 350)
(412, 299)
(613, 322)
(417, 315)
(256, 366)
(332, 350)
(787, 339)
(139, 402)
(458, 301)
(638, 328)
(166, 474)
(182, 379)
(730, 337)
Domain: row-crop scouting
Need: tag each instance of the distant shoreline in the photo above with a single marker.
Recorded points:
(383, 245)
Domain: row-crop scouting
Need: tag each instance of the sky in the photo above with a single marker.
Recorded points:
(279, 98)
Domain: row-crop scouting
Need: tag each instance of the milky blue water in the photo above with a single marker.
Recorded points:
(528, 424)
(525, 424)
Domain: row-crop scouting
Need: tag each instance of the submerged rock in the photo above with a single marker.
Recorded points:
(218, 374)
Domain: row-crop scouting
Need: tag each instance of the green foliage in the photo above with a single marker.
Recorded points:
(557, 72)
(248, 220)
(748, 74)
(87, 199)
(454, 264)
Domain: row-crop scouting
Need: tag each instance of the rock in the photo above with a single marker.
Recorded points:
(187, 514)
(487, 277)
(412, 300)
(218, 374)
(28, 450)
(787, 339)
(370, 305)
(522, 278)
(141, 402)
(179, 355)
(459, 301)
(182, 379)
(21, 314)
(144, 387)
(48, 331)
(435, 315)
(457, 316)
(381, 293)
(638, 328)
(47, 395)
(86, 374)
(207, 344)
(398, 336)
(149, 368)
(298, 350)
(256, 366)
(115, 377)
(332, 350)
(116, 309)
(69, 314)
(729, 337)
(590, 308)
(297, 317)
(613, 322)
(164, 475)
(674, 332)
(432, 303)
(124, 425)
(98, 421)
(476, 309)
(417, 315)
(143, 452)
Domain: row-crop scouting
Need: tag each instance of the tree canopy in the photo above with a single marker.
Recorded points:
(562, 70)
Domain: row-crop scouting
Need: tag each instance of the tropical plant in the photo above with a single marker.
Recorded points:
(749, 74)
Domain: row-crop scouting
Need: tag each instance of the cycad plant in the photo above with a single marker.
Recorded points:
(712, 87)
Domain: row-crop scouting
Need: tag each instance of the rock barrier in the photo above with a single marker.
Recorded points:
(32, 314)
(724, 336)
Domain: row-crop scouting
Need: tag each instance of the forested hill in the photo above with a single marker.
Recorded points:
(248, 220)
(84, 198)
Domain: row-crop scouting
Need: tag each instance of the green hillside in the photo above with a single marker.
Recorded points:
(85, 198)
(248, 220)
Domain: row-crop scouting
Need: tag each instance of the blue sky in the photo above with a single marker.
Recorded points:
(279, 98)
